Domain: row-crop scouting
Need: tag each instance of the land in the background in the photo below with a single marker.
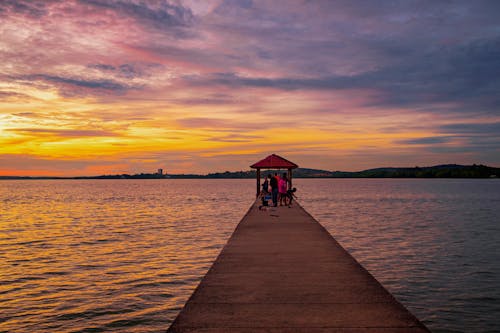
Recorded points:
(438, 171)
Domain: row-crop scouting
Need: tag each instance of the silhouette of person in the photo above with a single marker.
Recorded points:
(273, 182)
(265, 186)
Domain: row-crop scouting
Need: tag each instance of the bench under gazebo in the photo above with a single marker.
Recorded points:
(275, 162)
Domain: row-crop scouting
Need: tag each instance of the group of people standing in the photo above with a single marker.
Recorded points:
(278, 187)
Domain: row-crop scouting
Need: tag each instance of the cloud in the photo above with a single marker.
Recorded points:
(416, 74)
(219, 124)
(63, 133)
(286, 83)
(413, 54)
(81, 82)
(12, 95)
(26, 114)
(34, 9)
(127, 70)
(481, 140)
(210, 100)
(425, 141)
(29, 165)
(78, 86)
(162, 14)
(481, 129)
(235, 138)
(466, 75)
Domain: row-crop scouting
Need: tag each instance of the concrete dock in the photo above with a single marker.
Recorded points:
(281, 271)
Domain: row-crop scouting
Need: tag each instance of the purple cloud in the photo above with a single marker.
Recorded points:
(160, 14)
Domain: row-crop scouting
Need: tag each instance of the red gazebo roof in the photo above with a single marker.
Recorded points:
(274, 162)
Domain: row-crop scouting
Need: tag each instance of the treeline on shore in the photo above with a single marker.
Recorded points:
(438, 171)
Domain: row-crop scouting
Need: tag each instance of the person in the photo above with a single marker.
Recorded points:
(282, 189)
(273, 182)
(264, 196)
(290, 194)
(265, 186)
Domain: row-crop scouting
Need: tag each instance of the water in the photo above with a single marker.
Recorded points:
(433, 243)
(109, 255)
(125, 255)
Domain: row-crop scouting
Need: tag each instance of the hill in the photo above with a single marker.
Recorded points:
(438, 171)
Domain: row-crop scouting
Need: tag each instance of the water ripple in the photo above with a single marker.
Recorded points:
(433, 243)
(108, 256)
(124, 256)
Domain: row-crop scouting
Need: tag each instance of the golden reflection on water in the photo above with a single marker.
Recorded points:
(109, 255)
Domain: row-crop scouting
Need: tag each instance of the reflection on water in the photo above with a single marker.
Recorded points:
(109, 255)
(125, 255)
(433, 243)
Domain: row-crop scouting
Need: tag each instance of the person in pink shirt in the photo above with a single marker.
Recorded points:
(283, 188)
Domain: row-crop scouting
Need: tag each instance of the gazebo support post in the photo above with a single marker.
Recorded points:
(290, 177)
(258, 182)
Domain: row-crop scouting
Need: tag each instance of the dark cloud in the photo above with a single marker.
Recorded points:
(82, 83)
(483, 151)
(479, 139)
(425, 141)
(160, 14)
(75, 86)
(468, 75)
(34, 9)
(204, 101)
(129, 71)
(415, 53)
(103, 67)
(482, 129)
(347, 37)
(286, 83)
(26, 114)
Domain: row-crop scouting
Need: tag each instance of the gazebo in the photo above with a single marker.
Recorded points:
(273, 162)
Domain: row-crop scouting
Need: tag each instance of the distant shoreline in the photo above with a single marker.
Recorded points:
(438, 171)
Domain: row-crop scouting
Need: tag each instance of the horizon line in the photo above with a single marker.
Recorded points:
(226, 171)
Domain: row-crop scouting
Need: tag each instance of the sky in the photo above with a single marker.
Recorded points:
(91, 87)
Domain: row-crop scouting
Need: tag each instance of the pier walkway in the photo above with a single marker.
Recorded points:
(281, 271)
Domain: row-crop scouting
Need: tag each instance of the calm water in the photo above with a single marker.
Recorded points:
(125, 255)
(435, 244)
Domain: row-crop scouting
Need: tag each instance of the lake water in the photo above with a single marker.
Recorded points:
(125, 255)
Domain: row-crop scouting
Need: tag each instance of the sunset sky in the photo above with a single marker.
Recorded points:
(107, 86)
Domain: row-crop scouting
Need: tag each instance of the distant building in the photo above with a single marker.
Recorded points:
(160, 172)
